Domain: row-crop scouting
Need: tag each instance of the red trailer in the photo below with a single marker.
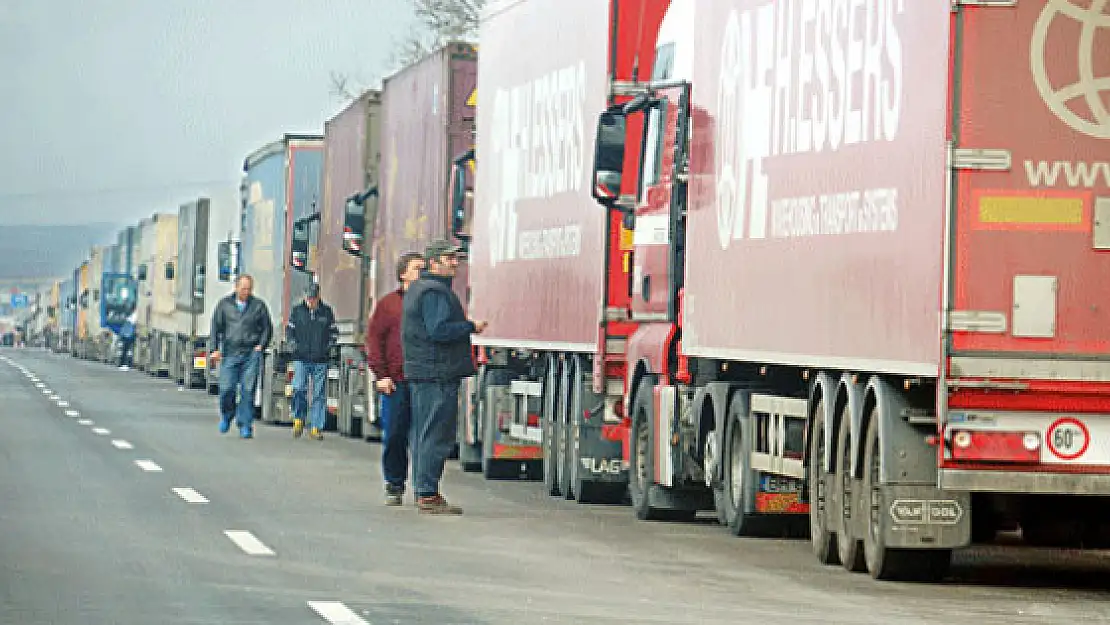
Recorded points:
(352, 155)
(867, 245)
(549, 269)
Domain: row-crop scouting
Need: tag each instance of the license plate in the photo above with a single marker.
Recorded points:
(200, 362)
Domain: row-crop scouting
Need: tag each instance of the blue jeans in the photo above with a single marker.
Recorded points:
(396, 421)
(435, 411)
(319, 372)
(239, 372)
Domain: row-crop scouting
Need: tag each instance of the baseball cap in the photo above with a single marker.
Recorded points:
(313, 290)
(441, 247)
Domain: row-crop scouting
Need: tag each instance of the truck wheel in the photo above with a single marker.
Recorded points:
(492, 468)
(568, 470)
(821, 539)
(739, 478)
(641, 476)
(551, 428)
(882, 562)
(471, 457)
(848, 545)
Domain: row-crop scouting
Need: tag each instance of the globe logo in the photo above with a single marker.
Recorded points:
(1084, 104)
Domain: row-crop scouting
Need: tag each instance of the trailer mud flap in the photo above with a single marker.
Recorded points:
(923, 516)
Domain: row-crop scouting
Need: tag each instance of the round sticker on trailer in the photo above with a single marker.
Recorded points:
(1068, 438)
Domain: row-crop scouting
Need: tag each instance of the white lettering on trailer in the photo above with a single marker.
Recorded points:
(797, 77)
(872, 210)
(538, 149)
(1074, 174)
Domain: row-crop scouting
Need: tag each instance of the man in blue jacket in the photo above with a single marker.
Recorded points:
(312, 331)
(241, 330)
(437, 351)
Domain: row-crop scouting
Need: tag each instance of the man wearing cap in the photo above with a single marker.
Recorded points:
(437, 351)
(312, 333)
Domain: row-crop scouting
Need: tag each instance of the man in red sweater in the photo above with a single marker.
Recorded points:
(386, 363)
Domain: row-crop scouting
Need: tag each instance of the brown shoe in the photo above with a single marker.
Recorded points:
(436, 505)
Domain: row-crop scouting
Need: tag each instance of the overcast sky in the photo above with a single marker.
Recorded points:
(111, 110)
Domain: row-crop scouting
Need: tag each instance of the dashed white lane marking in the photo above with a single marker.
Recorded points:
(63, 403)
(73, 413)
(39, 385)
(336, 613)
(148, 465)
(119, 443)
(101, 431)
(85, 422)
(248, 543)
(190, 495)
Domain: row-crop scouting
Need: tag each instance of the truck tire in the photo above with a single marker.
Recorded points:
(492, 468)
(641, 476)
(563, 438)
(739, 483)
(551, 428)
(821, 538)
(470, 456)
(884, 563)
(846, 494)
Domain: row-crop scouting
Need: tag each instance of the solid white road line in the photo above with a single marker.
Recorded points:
(119, 443)
(101, 431)
(190, 495)
(248, 543)
(85, 422)
(73, 413)
(336, 613)
(148, 465)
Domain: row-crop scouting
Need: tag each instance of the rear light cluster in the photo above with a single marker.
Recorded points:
(996, 446)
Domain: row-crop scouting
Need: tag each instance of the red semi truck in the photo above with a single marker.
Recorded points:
(548, 269)
(848, 270)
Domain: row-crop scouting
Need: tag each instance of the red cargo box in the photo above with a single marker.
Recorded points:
(1032, 251)
(427, 120)
(351, 160)
(537, 267)
(817, 202)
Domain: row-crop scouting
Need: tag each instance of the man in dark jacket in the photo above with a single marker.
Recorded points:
(436, 337)
(311, 331)
(241, 329)
(386, 363)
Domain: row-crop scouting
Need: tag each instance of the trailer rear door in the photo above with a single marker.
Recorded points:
(1030, 255)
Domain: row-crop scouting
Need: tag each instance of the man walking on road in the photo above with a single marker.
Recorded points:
(312, 332)
(436, 337)
(386, 362)
(241, 330)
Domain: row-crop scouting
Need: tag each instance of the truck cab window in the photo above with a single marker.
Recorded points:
(653, 147)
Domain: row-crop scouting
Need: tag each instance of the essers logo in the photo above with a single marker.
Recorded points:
(805, 76)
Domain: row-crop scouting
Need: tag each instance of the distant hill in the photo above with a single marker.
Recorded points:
(38, 251)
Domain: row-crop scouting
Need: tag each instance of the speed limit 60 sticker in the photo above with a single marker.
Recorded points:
(1068, 438)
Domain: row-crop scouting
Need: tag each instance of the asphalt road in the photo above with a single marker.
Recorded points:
(276, 530)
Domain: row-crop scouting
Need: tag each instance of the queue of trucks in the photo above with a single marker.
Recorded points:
(828, 266)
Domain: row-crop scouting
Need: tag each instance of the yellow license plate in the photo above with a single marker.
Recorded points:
(200, 362)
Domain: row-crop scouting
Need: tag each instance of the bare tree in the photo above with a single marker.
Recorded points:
(438, 22)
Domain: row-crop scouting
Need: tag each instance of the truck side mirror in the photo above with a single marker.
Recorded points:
(462, 197)
(354, 225)
(223, 259)
(142, 272)
(198, 281)
(608, 158)
(169, 273)
(298, 258)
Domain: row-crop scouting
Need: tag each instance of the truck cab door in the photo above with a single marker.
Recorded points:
(659, 231)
